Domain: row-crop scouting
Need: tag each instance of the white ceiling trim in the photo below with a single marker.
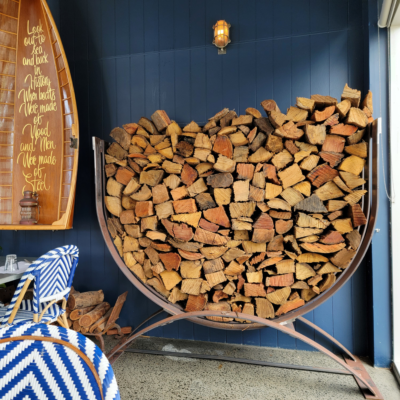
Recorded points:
(389, 14)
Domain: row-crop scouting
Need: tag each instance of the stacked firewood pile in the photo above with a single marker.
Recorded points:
(247, 213)
(87, 312)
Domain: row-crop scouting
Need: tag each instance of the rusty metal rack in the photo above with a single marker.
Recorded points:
(285, 323)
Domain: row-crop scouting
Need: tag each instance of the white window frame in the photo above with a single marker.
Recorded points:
(394, 109)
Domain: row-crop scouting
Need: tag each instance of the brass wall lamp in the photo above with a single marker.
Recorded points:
(221, 36)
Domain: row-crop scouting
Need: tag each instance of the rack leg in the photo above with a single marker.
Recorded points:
(117, 351)
(327, 335)
(351, 360)
(121, 347)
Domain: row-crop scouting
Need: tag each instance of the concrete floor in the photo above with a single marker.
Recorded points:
(151, 377)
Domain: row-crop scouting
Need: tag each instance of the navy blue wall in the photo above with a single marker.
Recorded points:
(381, 293)
(131, 57)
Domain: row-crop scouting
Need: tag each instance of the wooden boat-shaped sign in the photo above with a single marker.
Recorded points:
(38, 117)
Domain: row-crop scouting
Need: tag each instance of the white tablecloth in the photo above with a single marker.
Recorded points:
(22, 265)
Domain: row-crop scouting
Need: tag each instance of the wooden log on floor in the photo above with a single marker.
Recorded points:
(89, 318)
(77, 313)
(86, 299)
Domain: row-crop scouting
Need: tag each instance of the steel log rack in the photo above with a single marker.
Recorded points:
(285, 323)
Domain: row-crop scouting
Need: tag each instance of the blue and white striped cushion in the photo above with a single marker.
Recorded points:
(32, 369)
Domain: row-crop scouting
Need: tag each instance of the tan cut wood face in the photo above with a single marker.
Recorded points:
(38, 117)
(239, 215)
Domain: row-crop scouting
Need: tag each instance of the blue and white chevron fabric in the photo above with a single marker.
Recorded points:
(53, 274)
(37, 369)
(25, 312)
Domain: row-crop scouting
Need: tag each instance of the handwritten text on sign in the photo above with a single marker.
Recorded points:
(37, 147)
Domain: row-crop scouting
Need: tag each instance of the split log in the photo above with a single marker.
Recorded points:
(304, 271)
(358, 149)
(289, 306)
(280, 280)
(343, 258)
(221, 306)
(269, 105)
(343, 225)
(322, 248)
(322, 174)
(296, 114)
(329, 191)
(277, 119)
(357, 117)
(354, 239)
(279, 296)
(289, 131)
(327, 282)
(196, 302)
(333, 144)
(305, 104)
(264, 308)
(353, 95)
(254, 290)
(357, 216)
(343, 130)
(291, 175)
(99, 325)
(332, 237)
(321, 116)
(315, 134)
(323, 101)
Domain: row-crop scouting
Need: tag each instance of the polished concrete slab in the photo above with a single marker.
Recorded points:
(151, 377)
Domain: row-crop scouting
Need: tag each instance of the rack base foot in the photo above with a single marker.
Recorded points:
(358, 366)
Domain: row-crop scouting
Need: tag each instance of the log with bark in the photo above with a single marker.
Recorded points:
(88, 319)
(86, 299)
(251, 213)
(78, 312)
(89, 314)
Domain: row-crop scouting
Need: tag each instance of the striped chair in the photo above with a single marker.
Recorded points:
(53, 274)
(39, 361)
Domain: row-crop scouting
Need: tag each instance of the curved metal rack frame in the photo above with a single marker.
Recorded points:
(352, 365)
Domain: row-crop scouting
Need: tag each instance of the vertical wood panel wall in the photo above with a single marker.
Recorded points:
(131, 57)
(381, 295)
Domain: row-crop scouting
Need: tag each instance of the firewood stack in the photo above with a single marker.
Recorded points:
(247, 213)
(87, 312)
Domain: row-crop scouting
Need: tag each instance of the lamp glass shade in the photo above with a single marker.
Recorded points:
(221, 34)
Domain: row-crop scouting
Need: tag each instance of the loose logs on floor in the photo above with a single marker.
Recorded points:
(247, 213)
(87, 312)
